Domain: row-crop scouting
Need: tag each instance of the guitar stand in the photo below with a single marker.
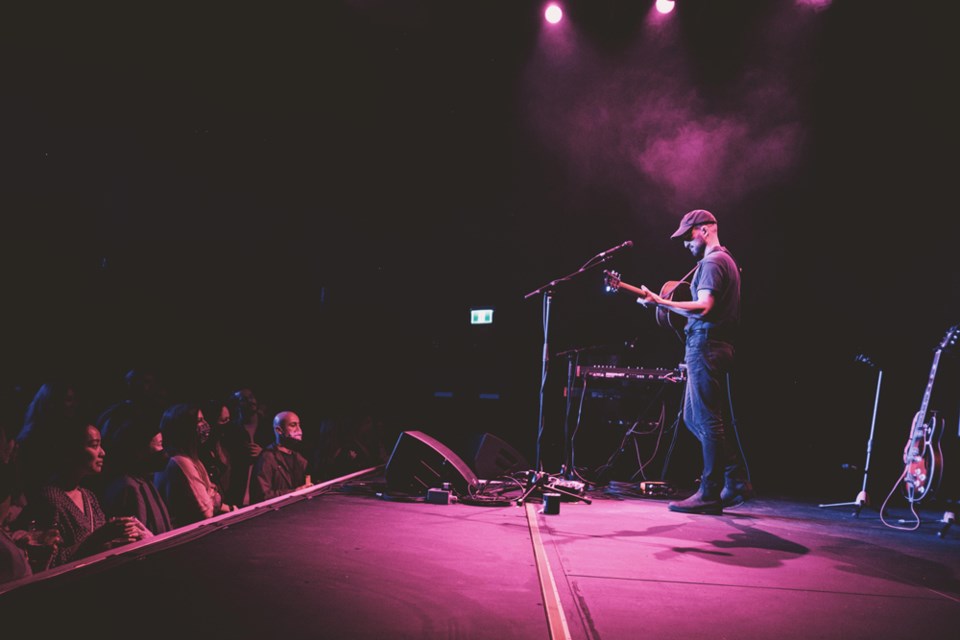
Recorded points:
(862, 497)
(538, 481)
(948, 519)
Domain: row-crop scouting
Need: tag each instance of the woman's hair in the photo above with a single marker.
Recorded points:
(64, 451)
(49, 433)
(126, 434)
(211, 409)
(179, 428)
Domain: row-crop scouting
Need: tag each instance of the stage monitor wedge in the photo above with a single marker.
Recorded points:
(420, 462)
(494, 458)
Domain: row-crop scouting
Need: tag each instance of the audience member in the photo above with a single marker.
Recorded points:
(52, 406)
(281, 468)
(135, 447)
(14, 562)
(244, 440)
(184, 483)
(145, 387)
(11, 420)
(145, 397)
(213, 453)
(61, 502)
(349, 445)
(9, 427)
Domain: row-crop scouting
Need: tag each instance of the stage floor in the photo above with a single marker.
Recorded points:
(341, 562)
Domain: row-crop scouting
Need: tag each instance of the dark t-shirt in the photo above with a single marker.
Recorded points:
(718, 273)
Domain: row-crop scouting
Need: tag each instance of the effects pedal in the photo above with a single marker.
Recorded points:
(658, 489)
(440, 496)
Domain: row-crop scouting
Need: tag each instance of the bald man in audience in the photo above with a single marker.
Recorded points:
(280, 468)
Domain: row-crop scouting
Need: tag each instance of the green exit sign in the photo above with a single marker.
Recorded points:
(481, 316)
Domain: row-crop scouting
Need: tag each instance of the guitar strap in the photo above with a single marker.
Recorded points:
(690, 275)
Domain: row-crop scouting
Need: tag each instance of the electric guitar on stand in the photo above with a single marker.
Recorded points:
(922, 454)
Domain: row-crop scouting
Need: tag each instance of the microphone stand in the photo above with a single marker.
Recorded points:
(862, 497)
(547, 292)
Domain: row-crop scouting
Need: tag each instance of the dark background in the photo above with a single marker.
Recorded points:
(308, 201)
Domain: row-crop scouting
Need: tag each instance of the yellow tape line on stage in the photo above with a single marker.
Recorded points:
(556, 620)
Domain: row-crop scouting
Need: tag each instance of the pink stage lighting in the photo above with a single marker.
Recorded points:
(553, 13)
(665, 6)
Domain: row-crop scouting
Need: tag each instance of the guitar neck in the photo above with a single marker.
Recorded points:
(925, 404)
(631, 288)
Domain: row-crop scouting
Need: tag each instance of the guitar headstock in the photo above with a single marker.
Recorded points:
(611, 280)
(950, 338)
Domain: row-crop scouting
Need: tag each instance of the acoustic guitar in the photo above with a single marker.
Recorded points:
(922, 454)
(671, 290)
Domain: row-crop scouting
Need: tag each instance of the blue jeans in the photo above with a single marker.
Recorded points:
(707, 412)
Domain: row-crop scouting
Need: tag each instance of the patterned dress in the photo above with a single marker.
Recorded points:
(55, 509)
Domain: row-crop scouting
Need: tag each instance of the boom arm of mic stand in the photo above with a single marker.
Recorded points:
(595, 261)
(547, 288)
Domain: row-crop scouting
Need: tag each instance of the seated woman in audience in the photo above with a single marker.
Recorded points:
(61, 502)
(184, 484)
(52, 406)
(14, 562)
(213, 453)
(14, 538)
(135, 448)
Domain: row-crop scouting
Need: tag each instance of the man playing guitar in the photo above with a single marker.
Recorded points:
(712, 318)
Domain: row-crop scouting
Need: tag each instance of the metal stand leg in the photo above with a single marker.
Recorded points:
(538, 482)
(948, 519)
(862, 498)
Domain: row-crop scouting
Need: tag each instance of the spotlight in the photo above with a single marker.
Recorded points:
(665, 6)
(553, 13)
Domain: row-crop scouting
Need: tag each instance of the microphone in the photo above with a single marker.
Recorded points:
(865, 359)
(612, 250)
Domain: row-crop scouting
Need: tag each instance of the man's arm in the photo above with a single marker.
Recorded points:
(686, 308)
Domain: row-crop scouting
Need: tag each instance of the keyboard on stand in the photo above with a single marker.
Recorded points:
(608, 372)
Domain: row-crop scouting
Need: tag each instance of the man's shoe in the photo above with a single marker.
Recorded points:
(697, 504)
(734, 496)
